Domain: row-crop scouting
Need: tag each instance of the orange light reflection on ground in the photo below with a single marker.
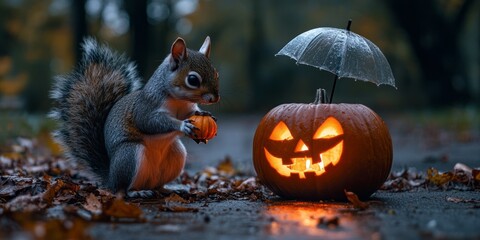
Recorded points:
(304, 219)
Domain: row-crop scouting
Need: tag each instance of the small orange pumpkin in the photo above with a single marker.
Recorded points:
(316, 151)
(206, 128)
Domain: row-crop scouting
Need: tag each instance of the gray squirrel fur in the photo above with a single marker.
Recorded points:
(128, 134)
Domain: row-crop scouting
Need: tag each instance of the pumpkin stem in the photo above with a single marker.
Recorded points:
(321, 96)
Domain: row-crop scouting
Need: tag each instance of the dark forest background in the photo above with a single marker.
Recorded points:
(432, 46)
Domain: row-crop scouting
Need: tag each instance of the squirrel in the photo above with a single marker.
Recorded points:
(125, 132)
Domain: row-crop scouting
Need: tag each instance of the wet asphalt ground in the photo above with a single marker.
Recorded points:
(408, 215)
(417, 214)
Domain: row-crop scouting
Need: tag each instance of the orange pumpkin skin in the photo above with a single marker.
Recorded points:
(363, 141)
(206, 128)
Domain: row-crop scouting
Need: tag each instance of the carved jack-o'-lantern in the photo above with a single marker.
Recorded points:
(316, 151)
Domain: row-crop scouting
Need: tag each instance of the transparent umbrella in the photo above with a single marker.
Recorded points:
(341, 52)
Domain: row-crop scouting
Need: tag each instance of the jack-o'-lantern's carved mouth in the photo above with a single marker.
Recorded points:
(292, 156)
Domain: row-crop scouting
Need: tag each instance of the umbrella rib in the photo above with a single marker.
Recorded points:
(342, 60)
(337, 70)
(376, 65)
(379, 57)
(307, 47)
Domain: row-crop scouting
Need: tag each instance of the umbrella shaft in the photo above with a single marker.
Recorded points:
(333, 88)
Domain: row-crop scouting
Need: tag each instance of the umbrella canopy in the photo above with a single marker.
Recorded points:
(341, 52)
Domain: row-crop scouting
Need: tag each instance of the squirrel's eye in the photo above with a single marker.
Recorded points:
(193, 80)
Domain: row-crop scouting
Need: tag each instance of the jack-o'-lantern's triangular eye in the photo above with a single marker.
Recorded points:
(281, 132)
(330, 128)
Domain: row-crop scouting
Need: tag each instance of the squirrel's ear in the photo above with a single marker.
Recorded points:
(205, 49)
(179, 50)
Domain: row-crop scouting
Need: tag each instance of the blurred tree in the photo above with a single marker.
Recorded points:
(433, 28)
(255, 53)
(79, 26)
(161, 23)
(139, 32)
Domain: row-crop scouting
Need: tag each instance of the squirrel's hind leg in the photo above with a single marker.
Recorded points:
(123, 165)
(127, 158)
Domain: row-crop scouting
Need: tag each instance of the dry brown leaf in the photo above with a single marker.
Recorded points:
(476, 175)
(226, 167)
(25, 203)
(461, 200)
(118, 208)
(10, 186)
(248, 183)
(437, 178)
(174, 198)
(462, 167)
(92, 204)
(353, 198)
(54, 189)
(173, 204)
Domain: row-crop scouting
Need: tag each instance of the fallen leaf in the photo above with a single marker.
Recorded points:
(25, 203)
(11, 186)
(54, 189)
(462, 200)
(437, 178)
(353, 198)
(118, 208)
(462, 167)
(226, 167)
(174, 198)
(92, 204)
(476, 176)
(247, 184)
(173, 203)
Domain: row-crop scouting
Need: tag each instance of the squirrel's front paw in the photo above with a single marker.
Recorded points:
(188, 128)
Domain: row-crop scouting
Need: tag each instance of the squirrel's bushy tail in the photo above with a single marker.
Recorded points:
(83, 100)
